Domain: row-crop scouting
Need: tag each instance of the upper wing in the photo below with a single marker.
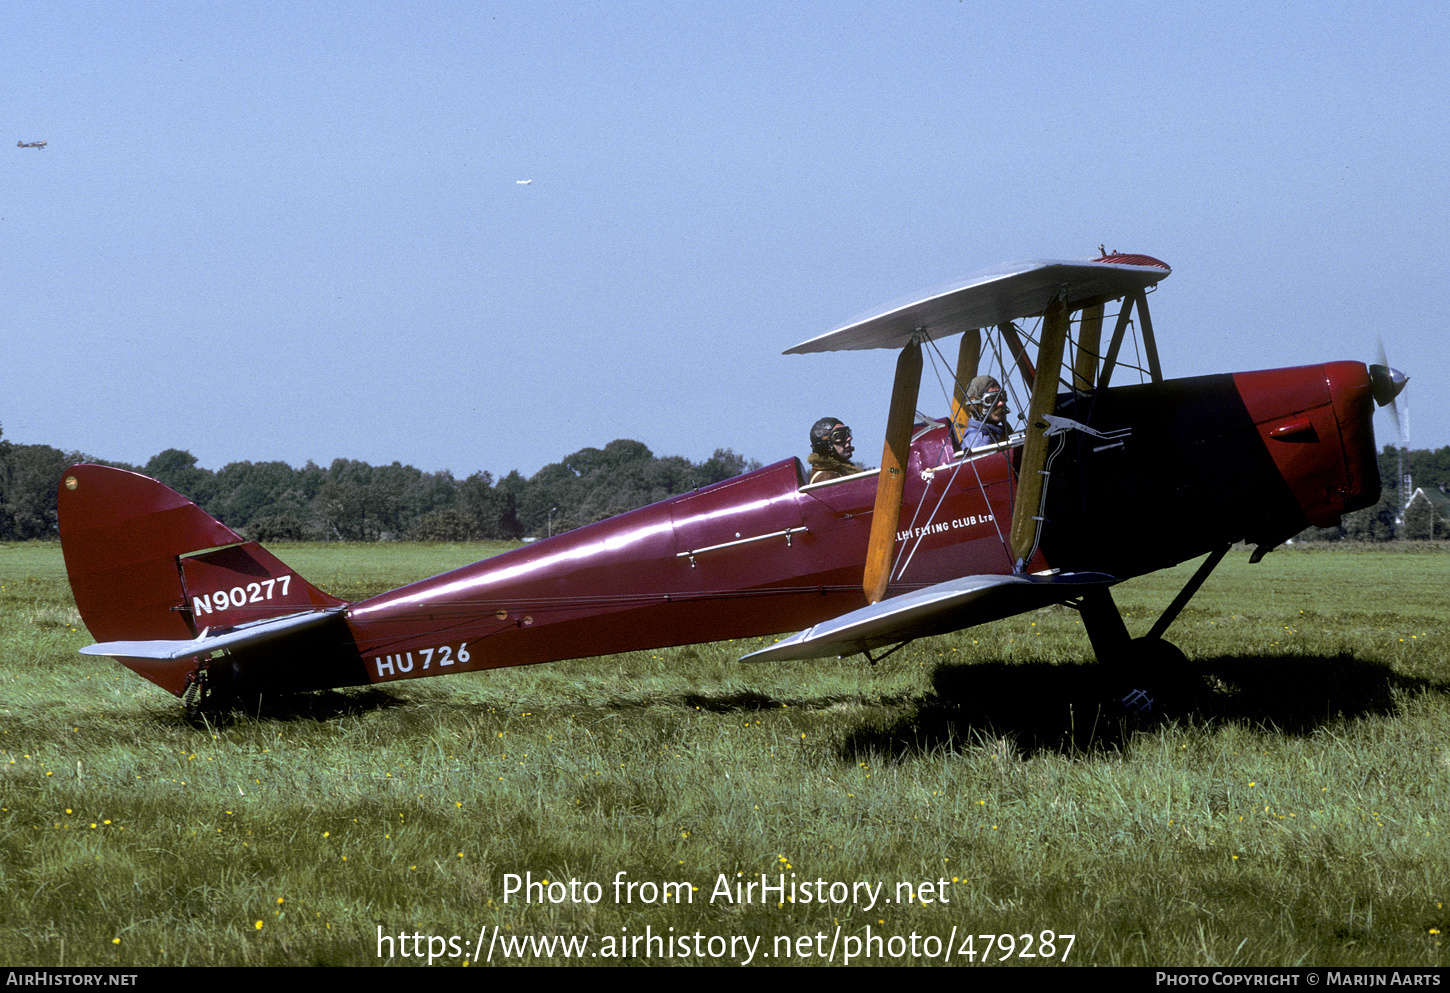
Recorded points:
(948, 606)
(994, 296)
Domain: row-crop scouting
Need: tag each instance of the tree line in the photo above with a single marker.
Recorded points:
(351, 500)
(354, 501)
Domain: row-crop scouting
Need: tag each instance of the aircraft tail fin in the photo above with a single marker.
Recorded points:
(147, 564)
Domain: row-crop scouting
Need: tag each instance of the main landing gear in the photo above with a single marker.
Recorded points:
(1142, 671)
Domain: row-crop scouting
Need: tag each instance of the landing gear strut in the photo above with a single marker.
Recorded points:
(1144, 667)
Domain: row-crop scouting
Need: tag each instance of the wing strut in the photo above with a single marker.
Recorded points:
(1137, 299)
(1120, 329)
(1025, 520)
(1019, 352)
(1090, 336)
(1150, 343)
(892, 481)
(969, 355)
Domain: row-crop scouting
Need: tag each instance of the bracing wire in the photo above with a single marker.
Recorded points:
(995, 348)
(912, 528)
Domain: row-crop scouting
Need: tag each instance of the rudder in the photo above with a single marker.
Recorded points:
(145, 563)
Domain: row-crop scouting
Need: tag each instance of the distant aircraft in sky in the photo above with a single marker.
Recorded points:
(30, 144)
(523, 182)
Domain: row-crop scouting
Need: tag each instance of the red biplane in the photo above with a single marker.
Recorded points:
(1106, 482)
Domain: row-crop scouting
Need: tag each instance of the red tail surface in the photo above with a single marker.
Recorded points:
(145, 563)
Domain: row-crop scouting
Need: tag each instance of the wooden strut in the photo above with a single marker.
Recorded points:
(1125, 313)
(1138, 299)
(1018, 351)
(1089, 337)
(1025, 524)
(892, 481)
(1150, 343)
(969, 356)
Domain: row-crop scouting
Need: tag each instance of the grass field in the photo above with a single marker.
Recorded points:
(1288, 804)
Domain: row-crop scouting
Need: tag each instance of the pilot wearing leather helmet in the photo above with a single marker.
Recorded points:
(831, 450)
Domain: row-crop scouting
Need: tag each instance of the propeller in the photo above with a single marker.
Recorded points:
(1386, 383)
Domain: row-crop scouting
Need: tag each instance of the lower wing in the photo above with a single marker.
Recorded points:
(939, 609)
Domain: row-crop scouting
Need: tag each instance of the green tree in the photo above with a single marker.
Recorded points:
(246, 491)
(178, 470)
(352, 500)
(1375, 523)
(390, 509)
(593, 483)
(344, 504)
(282, 527)
(725, 464)
(29, 475)
(428, 492)
(490, 507)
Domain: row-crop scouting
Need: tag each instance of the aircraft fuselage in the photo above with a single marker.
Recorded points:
(1165, 472)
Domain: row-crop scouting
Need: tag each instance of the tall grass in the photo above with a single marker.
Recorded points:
(1286, 804)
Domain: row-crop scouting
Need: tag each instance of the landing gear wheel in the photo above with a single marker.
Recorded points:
(1145, 674)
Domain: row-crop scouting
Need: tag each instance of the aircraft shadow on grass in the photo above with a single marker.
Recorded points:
(1070, 709)
(1036, 707)
(323, 705)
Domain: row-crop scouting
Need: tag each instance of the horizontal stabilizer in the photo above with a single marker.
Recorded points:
(994, 296)
(939, 609)
(233, 638)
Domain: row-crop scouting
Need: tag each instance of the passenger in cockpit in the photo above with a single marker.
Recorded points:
(987, 407)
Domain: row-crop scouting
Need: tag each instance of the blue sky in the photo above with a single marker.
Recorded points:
(294, 230)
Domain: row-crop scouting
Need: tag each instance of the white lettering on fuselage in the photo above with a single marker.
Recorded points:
(396, 666)
(239, 596)
(938, 526)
